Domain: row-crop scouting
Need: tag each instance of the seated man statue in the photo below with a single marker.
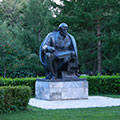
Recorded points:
(58, 53)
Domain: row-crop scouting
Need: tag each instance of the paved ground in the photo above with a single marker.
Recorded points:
(92, 101)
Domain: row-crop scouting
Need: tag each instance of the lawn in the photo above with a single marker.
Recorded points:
(112, 96)
(32, 113)
(109, 113)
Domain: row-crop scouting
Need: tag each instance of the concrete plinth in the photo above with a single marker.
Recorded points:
(61, 90)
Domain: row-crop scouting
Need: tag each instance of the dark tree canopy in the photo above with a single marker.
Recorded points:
(25, 23)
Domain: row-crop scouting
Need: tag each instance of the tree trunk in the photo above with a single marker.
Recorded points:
(4, 71)
(99, 58)
(99, 49)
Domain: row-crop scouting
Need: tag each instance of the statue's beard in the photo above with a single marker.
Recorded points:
(63, 33)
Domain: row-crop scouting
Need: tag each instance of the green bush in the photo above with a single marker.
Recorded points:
(104, 84)
(14, 98)
(97, 84)
(19, 81)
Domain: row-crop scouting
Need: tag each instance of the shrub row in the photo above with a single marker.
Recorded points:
(19, 81)
(104, 84)
(14, 98)
(97, 84)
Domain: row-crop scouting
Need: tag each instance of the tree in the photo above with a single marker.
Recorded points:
(12, 11)
(11, 49)
(36, 26)
(98, 19)
(111, 54)
(23, 22)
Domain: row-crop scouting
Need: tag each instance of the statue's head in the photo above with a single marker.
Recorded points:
(63, 27)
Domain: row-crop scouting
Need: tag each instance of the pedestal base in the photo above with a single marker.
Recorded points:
(61, 90)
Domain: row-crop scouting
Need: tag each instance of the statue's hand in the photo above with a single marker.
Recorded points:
(67, 59)
(51, 49)
(72, 54)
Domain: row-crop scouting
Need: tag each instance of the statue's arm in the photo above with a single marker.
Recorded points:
(48, 44)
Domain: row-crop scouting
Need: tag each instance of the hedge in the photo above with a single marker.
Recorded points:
(104, 84)
(19, 81)
(14, 98)
(97, 84)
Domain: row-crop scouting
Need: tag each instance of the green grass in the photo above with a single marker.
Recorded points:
(109, 113)
(113, 96)
(106, 95)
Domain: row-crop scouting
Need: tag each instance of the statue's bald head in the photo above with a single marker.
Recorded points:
(63, 27)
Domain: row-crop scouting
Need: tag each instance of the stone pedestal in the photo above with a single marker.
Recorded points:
(61, 90)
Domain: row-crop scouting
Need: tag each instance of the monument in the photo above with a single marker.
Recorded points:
(59, 57)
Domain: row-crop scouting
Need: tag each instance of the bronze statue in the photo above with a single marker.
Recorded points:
(58, 53)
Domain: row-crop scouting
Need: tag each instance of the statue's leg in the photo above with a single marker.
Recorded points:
(48, 74)
(50, 58)
(61, 66)
(47, 71)
(55, 68)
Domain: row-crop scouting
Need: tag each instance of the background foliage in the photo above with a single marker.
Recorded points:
(25, 23)
(97, 84)
(14, 98)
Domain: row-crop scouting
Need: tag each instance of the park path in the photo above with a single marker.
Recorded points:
(92, 101)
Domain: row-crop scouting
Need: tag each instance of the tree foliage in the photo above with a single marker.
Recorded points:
(12, 52)
(25, 23)
(93, 24)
